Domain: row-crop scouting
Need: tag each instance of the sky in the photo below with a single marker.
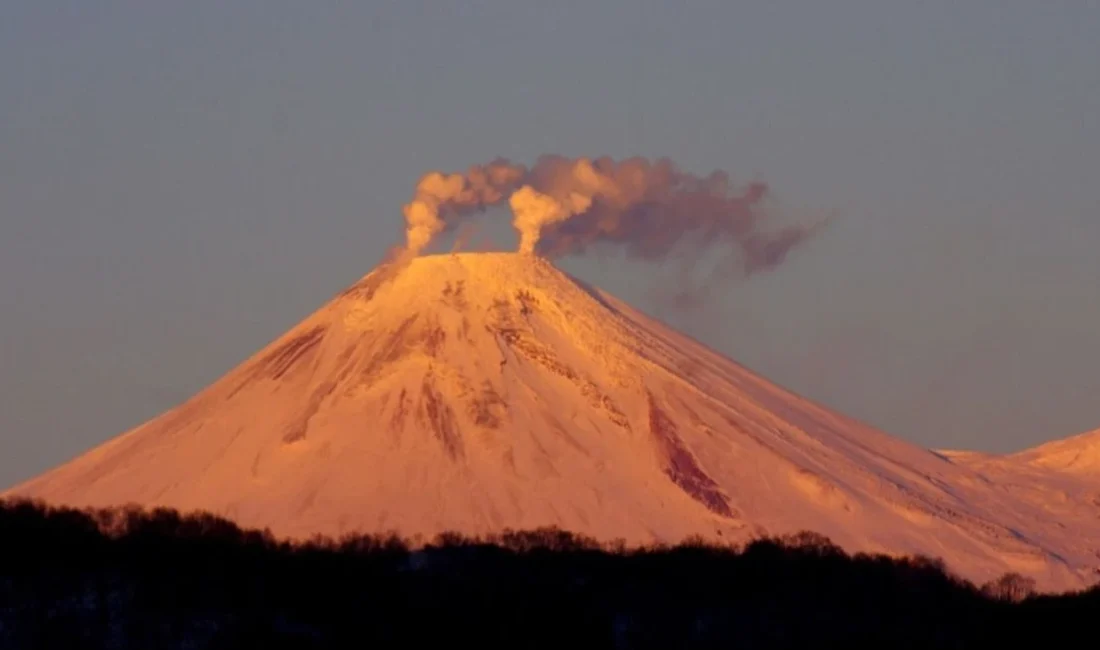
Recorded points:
(182, 182)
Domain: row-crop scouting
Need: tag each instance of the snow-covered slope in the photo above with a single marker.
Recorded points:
(1077, 455)
(1059, 479)
(475, 392)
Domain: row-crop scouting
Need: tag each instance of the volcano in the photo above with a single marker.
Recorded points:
(484, 391)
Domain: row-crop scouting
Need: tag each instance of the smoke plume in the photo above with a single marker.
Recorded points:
(535, 210)
(564, 206)
(443, 199)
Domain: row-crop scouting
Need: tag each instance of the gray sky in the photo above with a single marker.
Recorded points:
(181, 182)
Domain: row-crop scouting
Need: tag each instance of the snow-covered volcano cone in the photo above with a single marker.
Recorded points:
(477, 392)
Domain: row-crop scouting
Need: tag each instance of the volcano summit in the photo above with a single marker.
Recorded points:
(482, 391)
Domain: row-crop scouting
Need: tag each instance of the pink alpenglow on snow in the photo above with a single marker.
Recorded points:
(477, 392)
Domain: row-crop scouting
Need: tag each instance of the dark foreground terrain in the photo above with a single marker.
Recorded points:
(158, 579)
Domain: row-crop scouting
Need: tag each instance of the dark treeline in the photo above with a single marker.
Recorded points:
(130, 578)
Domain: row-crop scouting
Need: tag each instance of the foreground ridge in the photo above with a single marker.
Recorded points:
(134, 579)
(482, 392)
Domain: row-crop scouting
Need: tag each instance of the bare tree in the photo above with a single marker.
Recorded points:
(1012, 587)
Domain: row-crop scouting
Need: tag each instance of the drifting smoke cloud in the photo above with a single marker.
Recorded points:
(563, 206)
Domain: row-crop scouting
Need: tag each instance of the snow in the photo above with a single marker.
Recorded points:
(1079, 454)
(476, 392)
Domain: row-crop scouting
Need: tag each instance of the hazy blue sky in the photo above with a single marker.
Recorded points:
(182, 181)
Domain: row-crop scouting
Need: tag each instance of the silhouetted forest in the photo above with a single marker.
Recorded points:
(130, 578)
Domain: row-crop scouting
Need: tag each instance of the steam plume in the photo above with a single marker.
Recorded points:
(443, 198)
(535, 210)
(563, 206)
